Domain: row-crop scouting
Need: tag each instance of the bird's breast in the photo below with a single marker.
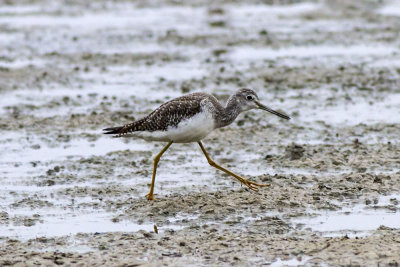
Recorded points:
(192, 129)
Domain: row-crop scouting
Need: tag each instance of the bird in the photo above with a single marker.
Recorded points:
(190, 118)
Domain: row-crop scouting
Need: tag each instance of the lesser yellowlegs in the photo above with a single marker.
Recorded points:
(190, 118)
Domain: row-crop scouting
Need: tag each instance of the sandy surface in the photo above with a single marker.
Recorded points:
(71, 196)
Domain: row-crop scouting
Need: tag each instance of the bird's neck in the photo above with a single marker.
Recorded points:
(229, 112)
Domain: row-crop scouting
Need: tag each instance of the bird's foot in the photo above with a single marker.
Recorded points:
(252, 185)
(150, 196)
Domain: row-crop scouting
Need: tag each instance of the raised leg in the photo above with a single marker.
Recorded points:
(153, 178)
(249, 184)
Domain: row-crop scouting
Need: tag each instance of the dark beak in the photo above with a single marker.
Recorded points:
(261, 106)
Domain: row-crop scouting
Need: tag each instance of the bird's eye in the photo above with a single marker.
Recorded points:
(249, 97)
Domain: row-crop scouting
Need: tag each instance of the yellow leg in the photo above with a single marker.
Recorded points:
(249, 184)
(153, 179)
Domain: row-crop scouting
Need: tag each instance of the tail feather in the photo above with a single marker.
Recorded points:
(113, 130)
(123, 130)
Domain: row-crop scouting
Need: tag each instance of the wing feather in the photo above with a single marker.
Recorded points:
(169, 114)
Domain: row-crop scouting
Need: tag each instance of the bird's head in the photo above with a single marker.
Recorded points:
(248, 99)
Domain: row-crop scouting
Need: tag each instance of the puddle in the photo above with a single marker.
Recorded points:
(292, 262)
(58, 224)
(251, 53)
(273, 10)
(380, 111)
(391, 9)
(359, 220)
(148, 74)
(21, 63)
(19, 9)
(14, 151)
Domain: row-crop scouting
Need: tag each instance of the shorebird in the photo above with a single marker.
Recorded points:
(190, 118)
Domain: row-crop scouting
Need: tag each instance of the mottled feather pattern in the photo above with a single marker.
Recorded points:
(169, 114)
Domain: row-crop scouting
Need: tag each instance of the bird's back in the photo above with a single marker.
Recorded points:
(168, 115)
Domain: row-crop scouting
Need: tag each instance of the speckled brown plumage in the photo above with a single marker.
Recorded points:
(169, 114)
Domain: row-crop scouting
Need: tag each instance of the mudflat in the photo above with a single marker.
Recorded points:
(71, 196)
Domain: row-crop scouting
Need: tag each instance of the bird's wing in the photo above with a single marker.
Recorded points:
(169, 114)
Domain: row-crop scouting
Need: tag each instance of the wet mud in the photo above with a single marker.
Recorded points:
(71, 196)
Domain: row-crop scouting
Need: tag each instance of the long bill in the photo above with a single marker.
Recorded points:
(261, 106)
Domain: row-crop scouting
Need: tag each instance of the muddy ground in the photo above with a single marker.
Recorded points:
(71, 196)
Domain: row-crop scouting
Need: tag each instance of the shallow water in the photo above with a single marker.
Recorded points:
(291, 262)
(70, 224)
(356, 220)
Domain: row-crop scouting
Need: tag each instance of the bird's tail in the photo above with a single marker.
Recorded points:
(113, 130)
(126, 129)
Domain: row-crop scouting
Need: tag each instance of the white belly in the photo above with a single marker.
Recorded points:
(187, 131)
